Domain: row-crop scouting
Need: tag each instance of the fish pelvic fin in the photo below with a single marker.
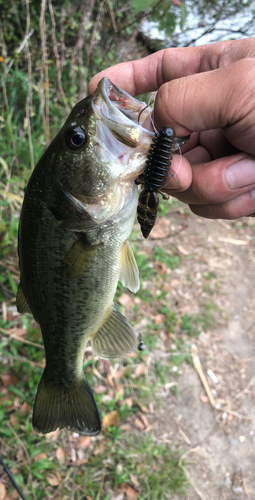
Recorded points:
(115, 338)
(72, 407)
(78, 258)
(129, 273)
(21, 301)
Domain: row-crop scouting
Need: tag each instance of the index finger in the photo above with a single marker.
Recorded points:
(149, 73)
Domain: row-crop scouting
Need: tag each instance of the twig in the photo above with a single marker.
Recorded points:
(197, 365)
(44, 75)
(28, 458)
(199, 369)
(190, 480)
(55, 49)
(25, 341)
(6, 103)
(29, 90)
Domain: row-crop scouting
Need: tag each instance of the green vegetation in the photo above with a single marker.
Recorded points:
(47, 55)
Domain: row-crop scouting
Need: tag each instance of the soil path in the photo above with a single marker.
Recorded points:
(220, 442)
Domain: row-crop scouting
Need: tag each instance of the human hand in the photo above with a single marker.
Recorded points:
(208, 91)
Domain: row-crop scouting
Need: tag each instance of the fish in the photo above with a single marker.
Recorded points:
(73, 245)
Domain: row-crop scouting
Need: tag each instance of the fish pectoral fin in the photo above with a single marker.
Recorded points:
(129, 273)
(72, 407)
(78, 258)
(115, 337)
(21, 301)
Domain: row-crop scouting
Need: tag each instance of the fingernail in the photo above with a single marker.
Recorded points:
(241, 174)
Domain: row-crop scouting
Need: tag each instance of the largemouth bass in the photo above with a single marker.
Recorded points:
(76, 219)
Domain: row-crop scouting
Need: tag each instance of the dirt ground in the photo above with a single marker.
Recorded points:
(220, 442)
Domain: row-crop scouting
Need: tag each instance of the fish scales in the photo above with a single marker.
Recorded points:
(77, 216)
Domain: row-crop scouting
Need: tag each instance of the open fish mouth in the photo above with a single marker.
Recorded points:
(122, 114)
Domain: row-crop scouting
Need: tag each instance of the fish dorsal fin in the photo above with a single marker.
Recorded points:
(21, 301)
(129, 274)
(78, 258)
(115, 337)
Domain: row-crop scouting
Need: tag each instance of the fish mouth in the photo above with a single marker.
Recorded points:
(123, 116)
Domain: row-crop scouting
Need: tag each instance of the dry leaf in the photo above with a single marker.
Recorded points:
(144, 419)
(21, 332)
(52, 436)
(2, 491)
(40, 456)
(25, 408)
(160, 267)
(126, 300)
(84, 442)
(100, 389)
(130, 492)
(81, 461)
(128, 402)
(125, 427)
(100, 448)
(13, 419)
(111, 418)
(61, 455)
(142, 407)
(140, 369)
(14, 495)
(8, 379)
(159, 318)
(134, 480)
(182, 250)
(139, 424)
(54, 479)
(121, 373)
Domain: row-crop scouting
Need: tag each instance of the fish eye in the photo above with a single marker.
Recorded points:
(76, 138)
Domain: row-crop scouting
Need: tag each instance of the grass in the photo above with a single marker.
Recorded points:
(126, 457)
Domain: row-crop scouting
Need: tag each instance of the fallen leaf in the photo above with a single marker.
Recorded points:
(140, 369)
(61, 455)
(134, 480)
(128, 402)
(139, 424)
(111, 418)
(2, 491)
(84, 442)
(40, 456)
(100, 389)
(121, 373)
(159, 318)
(54, 479)
(81, 461)
(8, 379)
(144, 420)
(182, 250)
(142, 407)
(13, 419)
(125, 427)
(160, 267)
(21, 332)
(126, 300)
(130, 492)
(52, 436)
(100, 448)
(25, 408)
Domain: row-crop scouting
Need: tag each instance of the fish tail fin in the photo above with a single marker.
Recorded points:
(73, 407)
(115, 337)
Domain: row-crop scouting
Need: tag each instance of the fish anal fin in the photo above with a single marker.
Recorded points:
(115, 337)
(21, 301)
(78, 258)
(73, 408)
(129, 274)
